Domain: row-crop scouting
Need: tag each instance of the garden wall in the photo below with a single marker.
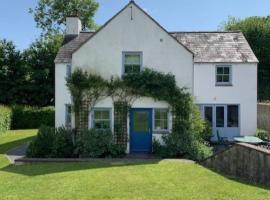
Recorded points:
(263, 116)
(244, 161)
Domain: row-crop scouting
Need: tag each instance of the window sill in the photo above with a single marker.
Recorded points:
(224, 85)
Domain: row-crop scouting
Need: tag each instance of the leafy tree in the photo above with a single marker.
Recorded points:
(13, 74)
(50, 15)
(257, 32)
(39, 58)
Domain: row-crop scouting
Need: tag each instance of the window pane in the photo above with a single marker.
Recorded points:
(220, 70)
(161, 119)
(102, 124)
(132, 59)
(226, 78)
(232, 116)
(208, 114)
(102, 114)
(140, 121)
(219, 116)
(226, 70)
(68, 116)
(132, 68)
(219, 78)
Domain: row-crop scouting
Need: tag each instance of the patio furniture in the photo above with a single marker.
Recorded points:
(222, 140)
(248, 139)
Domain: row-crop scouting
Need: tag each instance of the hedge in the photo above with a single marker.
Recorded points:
(27, 117)
(5, 118)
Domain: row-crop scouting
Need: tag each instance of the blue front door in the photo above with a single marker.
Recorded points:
(140, 130)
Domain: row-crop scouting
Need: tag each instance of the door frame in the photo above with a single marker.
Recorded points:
(150, 123)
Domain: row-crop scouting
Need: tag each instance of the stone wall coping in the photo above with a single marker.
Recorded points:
(257, 148)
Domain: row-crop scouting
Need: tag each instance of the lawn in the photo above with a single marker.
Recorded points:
(168, 179)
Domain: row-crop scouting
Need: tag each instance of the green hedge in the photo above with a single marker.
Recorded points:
(5, 118)
(263, 134)
(27, 117)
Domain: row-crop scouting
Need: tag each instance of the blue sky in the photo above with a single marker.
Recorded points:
(17, 24)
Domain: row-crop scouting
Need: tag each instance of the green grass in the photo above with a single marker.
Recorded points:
(169, 179)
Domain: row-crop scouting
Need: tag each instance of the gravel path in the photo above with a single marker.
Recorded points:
(17, 152)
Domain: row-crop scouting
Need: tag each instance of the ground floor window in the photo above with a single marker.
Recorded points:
(101, 118)
(68, 116)
(161, 119)
(221, 116)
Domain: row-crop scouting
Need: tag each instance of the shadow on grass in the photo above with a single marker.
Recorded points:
(9, 145)
(238, 180)
(51, 168)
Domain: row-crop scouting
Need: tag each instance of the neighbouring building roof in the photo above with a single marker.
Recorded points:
(208, 47)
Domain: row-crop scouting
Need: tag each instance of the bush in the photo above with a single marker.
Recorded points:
(27, 117)
(51, 142)
(42, 146)
(94, 143)
(5, 118)
(263, 134)
(117, 151)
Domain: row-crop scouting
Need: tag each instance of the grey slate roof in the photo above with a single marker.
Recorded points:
(223, 47)
(217, 46)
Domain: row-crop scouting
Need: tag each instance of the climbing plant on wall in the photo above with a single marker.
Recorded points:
(189, 130)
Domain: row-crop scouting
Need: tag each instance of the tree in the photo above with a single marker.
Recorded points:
(39, 58)
(50, 15)
(257, 32)
(13, 74)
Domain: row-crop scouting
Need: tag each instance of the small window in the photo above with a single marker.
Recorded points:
(102, 119)
(208, 114)
(223, 75)
(219, 116)
(161, 119)
(68, 116)
(132, 62)
(68, 72)
(232, 116)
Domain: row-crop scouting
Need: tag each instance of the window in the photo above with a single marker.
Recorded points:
(223, 75)
(68, 70)
(68, 116)
(219, 116)
(102, 119)
(208, 114)
(160, 119)
(232, 116)
(132, 62)
(140, 123)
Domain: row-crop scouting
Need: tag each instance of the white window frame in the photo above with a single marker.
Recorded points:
(230, 75)
(66, 116)
(101, 109)
(124, 53)
(168, 115)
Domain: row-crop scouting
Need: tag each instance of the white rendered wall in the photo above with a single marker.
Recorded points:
(62, 96)
(102, 54)
(243, 91)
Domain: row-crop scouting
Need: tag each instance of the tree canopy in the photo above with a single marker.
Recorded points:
(50, 15)
(257, 32)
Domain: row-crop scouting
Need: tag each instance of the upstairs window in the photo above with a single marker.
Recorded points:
(223, 75)
(132, 62)
(102, 119)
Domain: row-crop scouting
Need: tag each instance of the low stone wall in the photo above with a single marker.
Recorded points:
(243, 161)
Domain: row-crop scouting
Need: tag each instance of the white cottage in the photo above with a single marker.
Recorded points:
(218, 68)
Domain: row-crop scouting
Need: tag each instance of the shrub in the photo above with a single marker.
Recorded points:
(5, 118)
(117, 151)
(63, 146)
(263, 134)
(26, 117)
(94, 143)
(51, 142)
(42, 145)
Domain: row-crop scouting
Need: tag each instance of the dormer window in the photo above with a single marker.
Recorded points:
(223, 75)
(132, 62)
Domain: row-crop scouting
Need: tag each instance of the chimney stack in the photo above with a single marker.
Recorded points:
(73, 25)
